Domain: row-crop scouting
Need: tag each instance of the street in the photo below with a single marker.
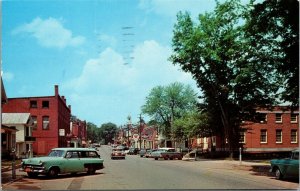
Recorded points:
(144, 173)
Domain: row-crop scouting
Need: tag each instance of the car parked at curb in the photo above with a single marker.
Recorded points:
(286, 168)
(63, 160)
(149, 152)
(166, 153)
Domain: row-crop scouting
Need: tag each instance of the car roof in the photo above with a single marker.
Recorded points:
(74, 149)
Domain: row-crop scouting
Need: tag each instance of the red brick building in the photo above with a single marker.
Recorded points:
(78, 134)
(274, 131)
(51, 116)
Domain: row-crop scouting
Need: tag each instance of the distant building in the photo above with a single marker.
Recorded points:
(78, 133)
(23, 123)
(51, 117)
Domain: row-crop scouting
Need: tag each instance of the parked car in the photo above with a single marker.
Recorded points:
(166, 153)
(288, 167)
(142, 152)
(63, 160)
(149, 152)
(133, 151)
(118, 153)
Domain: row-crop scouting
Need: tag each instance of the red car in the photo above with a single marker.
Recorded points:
(118, 153)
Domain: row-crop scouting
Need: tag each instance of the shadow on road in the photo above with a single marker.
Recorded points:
(263, 170)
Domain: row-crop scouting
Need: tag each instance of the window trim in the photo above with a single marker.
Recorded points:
(296, 116)
(276, 121)
(243, 134)
(278, 130)
(43, 122)
(296, 136)
(266, 135)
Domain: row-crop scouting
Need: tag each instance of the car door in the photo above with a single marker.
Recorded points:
(293, 167)
(73, 162)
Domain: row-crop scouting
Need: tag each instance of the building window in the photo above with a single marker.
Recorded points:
(34, 118)
(263, 136)
(294, 136)
(45, 104)
(33, 104)
(261, 117)
(243, 136)
(278, 118)
(278, 136)
(294, 118)
(45, 122)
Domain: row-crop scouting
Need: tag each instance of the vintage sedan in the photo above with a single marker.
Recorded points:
(118, 153)
(63, 160)
(286, 168)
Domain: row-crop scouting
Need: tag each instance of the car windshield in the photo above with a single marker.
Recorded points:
(56, 153)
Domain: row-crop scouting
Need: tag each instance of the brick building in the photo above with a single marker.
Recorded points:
(51, 117)
(274, 131)
(78, 133)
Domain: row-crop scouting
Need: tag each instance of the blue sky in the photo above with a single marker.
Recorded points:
(103, 67)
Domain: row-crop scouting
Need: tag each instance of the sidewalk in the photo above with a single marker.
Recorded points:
(6, 174)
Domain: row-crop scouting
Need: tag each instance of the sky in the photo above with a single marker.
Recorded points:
(105, 55)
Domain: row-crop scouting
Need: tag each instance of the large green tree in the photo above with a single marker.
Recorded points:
(165, 104)
(217, 52)
(273, 30)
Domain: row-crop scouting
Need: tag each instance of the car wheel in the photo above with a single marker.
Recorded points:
(278, 174)
(179, 158)
(155, 158)
(91, 170)
(53, 172)
(32, 174)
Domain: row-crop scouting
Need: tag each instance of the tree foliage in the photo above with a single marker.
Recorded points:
(168, 103)
(234, 75)
(273, 30)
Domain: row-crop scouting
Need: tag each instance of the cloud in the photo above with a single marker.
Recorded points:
(117, 90)
(49, 33)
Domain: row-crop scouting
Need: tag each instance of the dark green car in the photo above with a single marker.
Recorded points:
(63, 160)
(286, 168)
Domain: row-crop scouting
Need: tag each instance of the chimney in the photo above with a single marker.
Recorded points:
(56, 90)
(63, 97)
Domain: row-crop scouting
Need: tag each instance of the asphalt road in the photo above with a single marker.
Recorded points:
(142, 173)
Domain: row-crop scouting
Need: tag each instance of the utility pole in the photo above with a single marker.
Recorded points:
(128, 128)
(140, 131)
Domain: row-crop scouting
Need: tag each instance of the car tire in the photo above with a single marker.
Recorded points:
(278, 174)
(53, 172)
(91, 170)
(32, 174)
(155, 158)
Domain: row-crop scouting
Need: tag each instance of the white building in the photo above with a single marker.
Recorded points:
(23, 124)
